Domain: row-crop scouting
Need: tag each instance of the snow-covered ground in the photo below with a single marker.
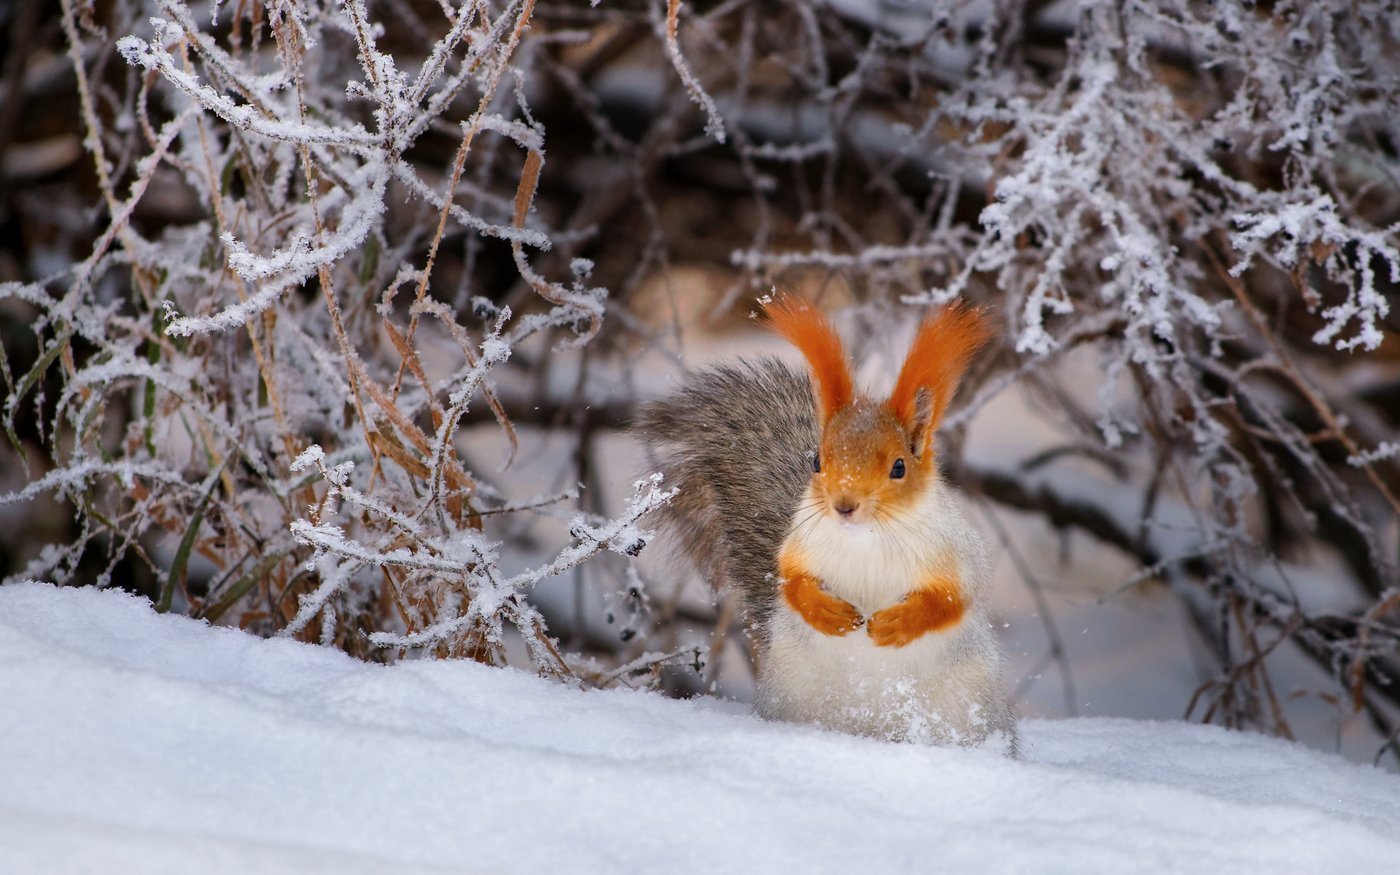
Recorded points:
(134, 742)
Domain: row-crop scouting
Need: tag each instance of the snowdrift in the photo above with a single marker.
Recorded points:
(131, 741)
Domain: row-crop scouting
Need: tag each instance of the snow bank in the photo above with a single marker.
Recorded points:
(131, 741)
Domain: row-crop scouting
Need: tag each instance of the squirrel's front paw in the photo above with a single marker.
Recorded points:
(921, 611)
(820, 609)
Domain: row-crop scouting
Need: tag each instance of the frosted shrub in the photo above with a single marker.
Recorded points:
(204, 367)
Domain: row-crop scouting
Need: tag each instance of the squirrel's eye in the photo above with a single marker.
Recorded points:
(816, 463)
(897, 472)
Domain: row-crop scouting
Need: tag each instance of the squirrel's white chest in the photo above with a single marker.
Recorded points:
(862, 565)
(942, 687)
(874, 566)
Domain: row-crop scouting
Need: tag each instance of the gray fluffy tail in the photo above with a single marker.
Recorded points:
(738, 442)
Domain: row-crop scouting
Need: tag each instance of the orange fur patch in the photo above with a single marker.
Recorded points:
(820, 609)
(935, 606)
(806, 328)
(936, 361)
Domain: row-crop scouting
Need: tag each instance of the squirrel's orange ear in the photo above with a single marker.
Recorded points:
(935, 363)
(807, 329)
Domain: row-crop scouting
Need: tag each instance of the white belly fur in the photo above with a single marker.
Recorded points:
(942, 688)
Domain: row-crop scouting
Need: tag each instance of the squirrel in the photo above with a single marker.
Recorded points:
(861, 582)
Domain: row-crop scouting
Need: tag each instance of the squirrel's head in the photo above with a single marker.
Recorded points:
(875, 457)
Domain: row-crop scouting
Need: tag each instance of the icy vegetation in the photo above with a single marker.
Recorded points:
(135, 742)
(321, 280)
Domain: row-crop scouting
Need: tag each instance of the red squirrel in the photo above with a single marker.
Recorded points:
(862, 581)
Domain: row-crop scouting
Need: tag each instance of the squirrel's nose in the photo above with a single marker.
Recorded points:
(846, 506)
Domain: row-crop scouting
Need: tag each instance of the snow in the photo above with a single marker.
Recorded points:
(132, 741)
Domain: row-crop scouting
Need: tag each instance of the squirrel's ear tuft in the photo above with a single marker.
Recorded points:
(806, 328)
(941, 351)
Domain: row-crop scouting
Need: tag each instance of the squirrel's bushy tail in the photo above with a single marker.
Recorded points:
(737, 440)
